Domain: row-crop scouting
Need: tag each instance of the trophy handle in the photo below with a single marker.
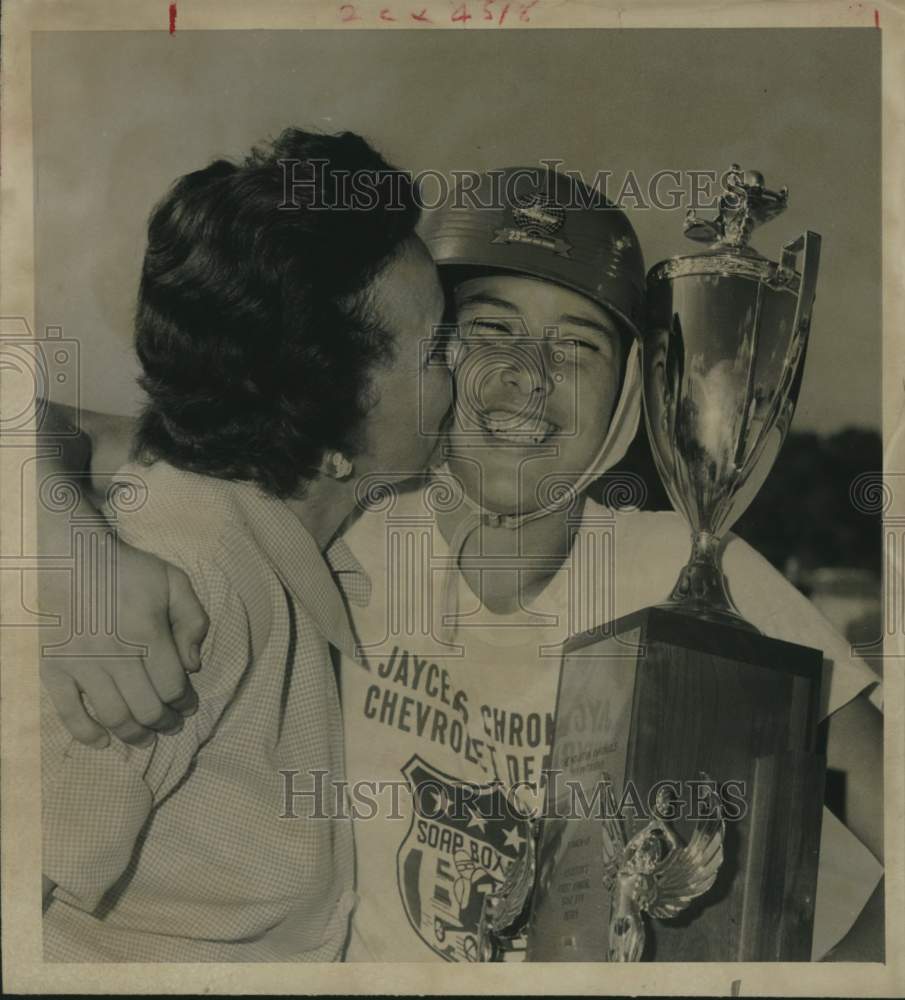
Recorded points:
(807, 244)
(780, 418)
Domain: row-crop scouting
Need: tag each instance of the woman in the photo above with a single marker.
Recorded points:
(277, 342)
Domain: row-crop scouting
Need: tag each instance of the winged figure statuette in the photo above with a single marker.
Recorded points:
(503, 909)
(652, 872)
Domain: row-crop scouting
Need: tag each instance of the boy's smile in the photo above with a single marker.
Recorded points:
(512, 427)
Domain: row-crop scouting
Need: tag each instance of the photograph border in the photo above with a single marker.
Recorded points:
(24, 969)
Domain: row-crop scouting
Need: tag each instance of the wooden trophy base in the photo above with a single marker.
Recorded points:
(661, 696)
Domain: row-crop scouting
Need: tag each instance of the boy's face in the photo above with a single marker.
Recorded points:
(537, 378)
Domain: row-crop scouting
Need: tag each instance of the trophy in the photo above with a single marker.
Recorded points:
(723, 360)
(685, 825)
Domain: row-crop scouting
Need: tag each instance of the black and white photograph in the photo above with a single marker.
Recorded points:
(454, 498)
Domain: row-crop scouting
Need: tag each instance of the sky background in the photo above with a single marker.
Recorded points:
(119, 115)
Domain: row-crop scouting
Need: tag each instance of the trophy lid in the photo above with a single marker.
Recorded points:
(745, 204)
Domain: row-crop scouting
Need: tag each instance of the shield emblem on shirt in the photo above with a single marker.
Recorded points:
(462, 839)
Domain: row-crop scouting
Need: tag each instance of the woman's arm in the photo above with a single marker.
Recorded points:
(156, 605)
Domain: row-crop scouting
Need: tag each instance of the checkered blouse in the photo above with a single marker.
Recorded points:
(178, 852)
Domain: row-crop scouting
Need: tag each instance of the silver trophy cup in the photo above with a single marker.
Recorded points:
(723, 358)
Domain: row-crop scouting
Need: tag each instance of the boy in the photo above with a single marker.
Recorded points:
(493, 564)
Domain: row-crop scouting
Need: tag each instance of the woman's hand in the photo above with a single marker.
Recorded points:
(133, 697)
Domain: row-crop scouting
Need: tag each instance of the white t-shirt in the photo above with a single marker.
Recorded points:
(445, 708)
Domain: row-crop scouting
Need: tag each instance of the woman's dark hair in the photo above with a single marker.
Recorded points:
(254, 326)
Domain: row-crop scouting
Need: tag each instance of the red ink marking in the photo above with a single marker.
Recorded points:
(488, 13)
(876, 18)
(172, 19)
(385, 15)
(525, 7)
(422, 16)
(461, 14)
(503, 14)
(347, 12)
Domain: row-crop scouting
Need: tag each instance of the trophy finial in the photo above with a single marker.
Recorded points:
(745, 203)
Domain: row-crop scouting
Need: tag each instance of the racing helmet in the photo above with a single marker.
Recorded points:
(545, 224)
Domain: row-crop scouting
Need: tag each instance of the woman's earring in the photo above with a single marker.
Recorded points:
(342, 467)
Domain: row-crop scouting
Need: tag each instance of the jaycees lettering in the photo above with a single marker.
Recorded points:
(508, 745)
(424, 715)
(462, 839)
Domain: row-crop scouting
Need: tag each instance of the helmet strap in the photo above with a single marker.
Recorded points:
(621, 432)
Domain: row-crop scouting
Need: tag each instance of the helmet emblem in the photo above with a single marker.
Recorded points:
(536, 218)
(538, 215)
